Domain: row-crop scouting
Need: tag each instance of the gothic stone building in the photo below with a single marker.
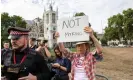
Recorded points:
(45, 27)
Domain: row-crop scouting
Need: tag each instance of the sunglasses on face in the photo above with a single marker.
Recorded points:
(16, 38)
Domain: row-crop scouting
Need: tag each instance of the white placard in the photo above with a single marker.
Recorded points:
(72, 29)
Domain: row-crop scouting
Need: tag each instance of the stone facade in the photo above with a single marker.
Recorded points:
(50, 25)
(45, 27)
(36, 28)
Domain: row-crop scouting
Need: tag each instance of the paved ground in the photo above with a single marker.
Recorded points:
(117, 64)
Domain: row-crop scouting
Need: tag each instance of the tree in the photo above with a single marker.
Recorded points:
(10, 21)
(79, 14)
(5, 22)
(5, 19)
(115, 24)
(17, 21)
(111, 33)
(128, 24)
(120, 26)
(104, 41)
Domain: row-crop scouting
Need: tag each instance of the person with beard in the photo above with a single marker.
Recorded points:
(62, 66)
(23, 63)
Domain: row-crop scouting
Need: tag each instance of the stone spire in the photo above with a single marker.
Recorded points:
(50, 7)
(44, 13)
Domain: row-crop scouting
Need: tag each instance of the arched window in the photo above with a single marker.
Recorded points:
(53, 35)
(47, 18)
(54, 28)
(30, 29)
(53, 17)
(41, 29)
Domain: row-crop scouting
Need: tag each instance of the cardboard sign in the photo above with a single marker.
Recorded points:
(72, 29)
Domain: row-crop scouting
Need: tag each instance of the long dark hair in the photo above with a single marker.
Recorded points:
(57, 48)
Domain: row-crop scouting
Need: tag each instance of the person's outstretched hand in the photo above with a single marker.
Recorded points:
(88, 30)
(56, 35)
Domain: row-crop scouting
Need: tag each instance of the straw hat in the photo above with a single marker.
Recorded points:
(83, 42)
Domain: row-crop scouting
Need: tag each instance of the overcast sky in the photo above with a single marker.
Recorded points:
(98, 11)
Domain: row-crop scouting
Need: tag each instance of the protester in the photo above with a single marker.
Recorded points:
(22, 62)
(83, 61)
(62, 66)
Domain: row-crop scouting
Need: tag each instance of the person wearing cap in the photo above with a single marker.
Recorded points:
(23, 63)
(32, 43)
(83, 61)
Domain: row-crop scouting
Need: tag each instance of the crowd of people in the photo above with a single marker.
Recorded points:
(26, 60)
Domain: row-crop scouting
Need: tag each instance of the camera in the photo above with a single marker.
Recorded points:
(42, 42)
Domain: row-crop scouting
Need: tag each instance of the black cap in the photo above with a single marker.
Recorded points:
(17, 32)
(17, 29)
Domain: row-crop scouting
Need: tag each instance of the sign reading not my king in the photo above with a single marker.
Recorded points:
(72, 29)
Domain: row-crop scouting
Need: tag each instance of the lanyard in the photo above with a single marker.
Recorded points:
(14, 59)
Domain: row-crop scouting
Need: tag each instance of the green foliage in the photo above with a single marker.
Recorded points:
(128, 23)
(111, 33)
(79, 14)
(5, 19)
(104, 41)
(120, 26)
(10, 21)
(17, 21)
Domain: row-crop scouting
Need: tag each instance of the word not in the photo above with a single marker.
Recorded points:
(68, 34)
(71, 23)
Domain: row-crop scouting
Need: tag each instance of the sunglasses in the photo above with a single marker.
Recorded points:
(16, 37)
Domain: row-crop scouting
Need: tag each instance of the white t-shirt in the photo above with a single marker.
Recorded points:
(80, 73)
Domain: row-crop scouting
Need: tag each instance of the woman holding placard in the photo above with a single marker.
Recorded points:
(83, 61)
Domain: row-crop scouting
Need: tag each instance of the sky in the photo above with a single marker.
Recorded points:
(98, 11)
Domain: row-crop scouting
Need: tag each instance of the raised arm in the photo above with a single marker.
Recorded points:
(96, 42)
(47, 52)
(62, 48)
(44, 50)
(99, 49)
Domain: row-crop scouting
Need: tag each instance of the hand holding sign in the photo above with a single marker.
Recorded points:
(88, 30)
(56, 35)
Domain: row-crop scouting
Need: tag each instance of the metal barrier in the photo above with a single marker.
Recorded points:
(101, 77)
